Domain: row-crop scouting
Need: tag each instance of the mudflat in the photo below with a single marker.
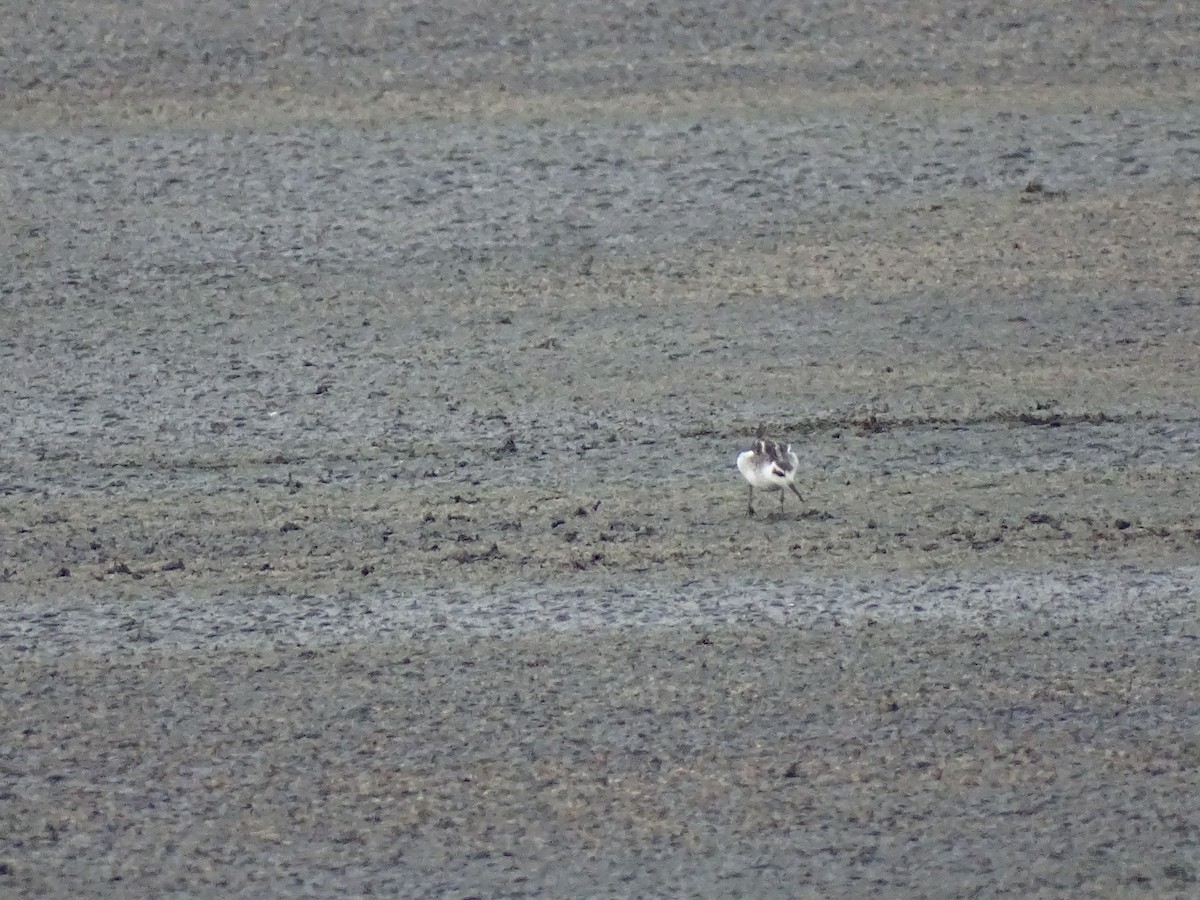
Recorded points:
(372, 380)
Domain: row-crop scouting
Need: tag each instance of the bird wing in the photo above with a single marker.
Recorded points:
(781, 457)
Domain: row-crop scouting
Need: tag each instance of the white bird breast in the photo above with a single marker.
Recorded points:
(758, 472)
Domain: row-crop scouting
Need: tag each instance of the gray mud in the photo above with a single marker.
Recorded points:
(369, 516)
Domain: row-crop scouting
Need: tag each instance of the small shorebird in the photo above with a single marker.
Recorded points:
(769, 466)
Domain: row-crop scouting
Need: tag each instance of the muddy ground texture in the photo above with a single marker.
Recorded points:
(368, 515)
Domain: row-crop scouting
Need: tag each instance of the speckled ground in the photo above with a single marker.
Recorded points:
(371, 382)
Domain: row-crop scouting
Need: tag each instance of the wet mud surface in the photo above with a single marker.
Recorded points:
(369, 514)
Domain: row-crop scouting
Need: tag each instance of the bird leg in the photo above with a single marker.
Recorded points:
(750, 502)
(794, 491)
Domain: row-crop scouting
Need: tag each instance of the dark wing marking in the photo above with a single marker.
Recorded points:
(778, 454)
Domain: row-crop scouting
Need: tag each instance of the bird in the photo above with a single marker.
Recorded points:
(768, 466)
